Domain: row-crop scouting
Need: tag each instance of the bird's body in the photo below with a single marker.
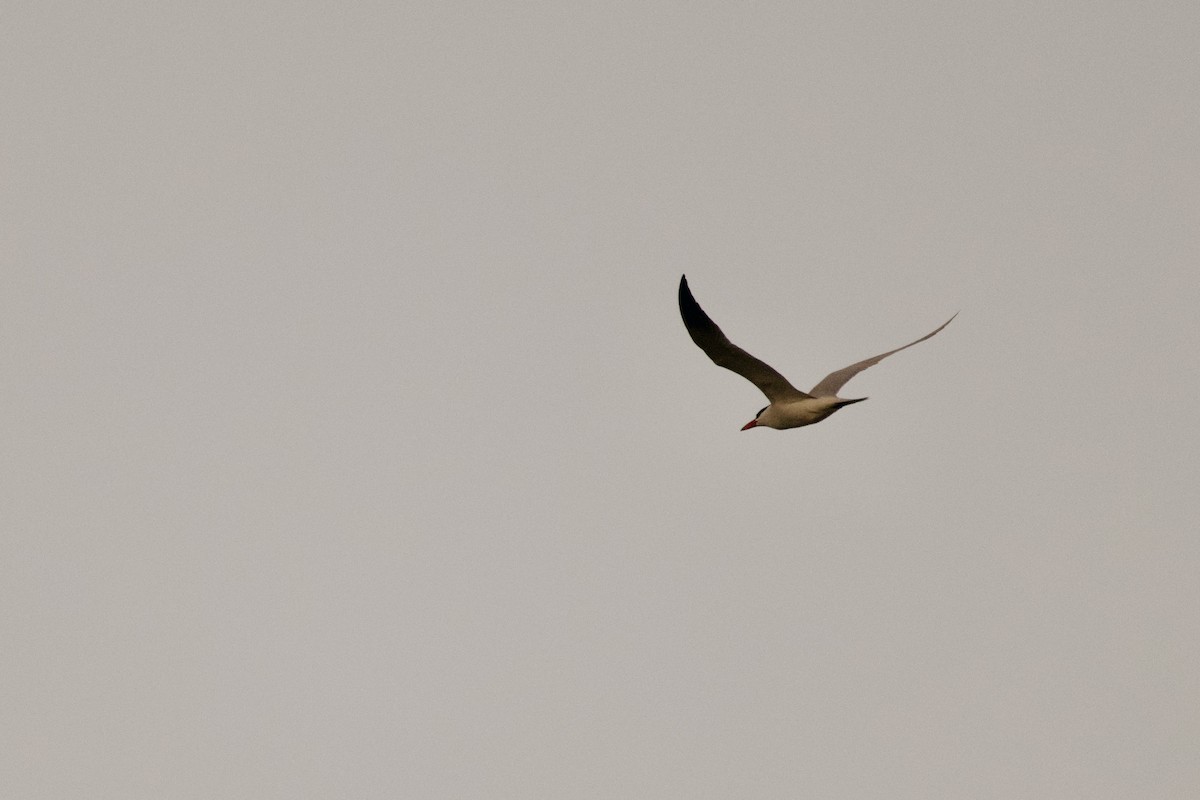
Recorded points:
(798, 413)
(790, 407)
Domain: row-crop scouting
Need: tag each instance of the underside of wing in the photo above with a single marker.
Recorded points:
(834, 381)
(724, 353)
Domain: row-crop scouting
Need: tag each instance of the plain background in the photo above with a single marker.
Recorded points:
(352, 445)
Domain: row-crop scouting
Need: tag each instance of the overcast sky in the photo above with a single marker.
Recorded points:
(351, 445)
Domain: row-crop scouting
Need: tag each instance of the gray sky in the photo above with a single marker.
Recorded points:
(352, 445)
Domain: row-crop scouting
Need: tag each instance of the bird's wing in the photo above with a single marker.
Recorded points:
(724, 353)
(834, 381)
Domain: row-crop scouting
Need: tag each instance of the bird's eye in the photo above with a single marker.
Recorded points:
(759, 414)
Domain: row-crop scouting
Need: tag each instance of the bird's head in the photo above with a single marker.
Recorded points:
(754, 422)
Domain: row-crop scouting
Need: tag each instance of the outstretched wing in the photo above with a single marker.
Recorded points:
(834, 381)
(724, 353)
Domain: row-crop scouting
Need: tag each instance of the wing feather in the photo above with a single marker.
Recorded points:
(724, 353)
(834, 381)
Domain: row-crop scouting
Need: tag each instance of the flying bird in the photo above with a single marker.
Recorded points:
(790, 407)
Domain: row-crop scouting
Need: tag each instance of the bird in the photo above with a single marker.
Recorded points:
(790, 407)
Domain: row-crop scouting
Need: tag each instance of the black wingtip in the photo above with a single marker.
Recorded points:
(695, 320)
(687, 304)
(685, 293)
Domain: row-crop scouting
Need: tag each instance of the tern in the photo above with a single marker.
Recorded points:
(790, 407)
